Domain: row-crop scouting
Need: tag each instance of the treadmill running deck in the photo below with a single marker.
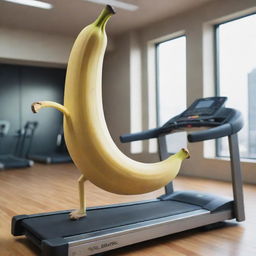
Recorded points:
(59, 225)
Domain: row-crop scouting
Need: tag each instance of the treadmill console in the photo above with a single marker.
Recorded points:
(203, 113)
(204, 107)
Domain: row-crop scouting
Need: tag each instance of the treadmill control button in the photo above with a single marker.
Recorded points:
(193, 117)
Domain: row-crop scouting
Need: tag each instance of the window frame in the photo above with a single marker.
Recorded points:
(217, 72)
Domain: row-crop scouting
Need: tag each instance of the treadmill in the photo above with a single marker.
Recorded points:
(8, 161)
(108, 227)
(60, 155)
(25, 138)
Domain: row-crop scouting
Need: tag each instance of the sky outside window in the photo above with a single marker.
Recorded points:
(237, 77)
(171, 86)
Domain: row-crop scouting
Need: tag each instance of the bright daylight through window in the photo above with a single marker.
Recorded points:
(171, 86)
(236, 77)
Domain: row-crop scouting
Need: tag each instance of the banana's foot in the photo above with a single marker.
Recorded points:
(77, 214)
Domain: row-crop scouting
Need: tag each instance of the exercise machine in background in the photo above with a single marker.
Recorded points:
(9, 161)
(60, 155)
(25, 138)
(113, 226)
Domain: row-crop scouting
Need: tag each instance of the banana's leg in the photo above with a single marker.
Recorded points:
(77, 214)
(36, 106)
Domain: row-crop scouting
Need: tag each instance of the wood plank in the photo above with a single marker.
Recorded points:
(45, 188)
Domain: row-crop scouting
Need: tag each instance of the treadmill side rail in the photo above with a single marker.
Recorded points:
(206, 201)
(162, 227)
(17, 228)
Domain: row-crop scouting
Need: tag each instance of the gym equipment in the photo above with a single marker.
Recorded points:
(109, 227)
(25, 141)
(11, 161)
(25, 138)
(60, 155)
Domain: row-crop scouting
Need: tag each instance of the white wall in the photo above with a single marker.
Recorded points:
(198, 27)
(34, 48)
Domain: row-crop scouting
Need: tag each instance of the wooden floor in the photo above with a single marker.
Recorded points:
(54, 187)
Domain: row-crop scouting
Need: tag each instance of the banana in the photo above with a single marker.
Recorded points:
(86, 134)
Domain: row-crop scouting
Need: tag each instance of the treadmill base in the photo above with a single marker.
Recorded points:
(111, 227)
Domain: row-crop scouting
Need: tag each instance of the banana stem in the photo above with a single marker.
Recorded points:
(101, 21)
(183, 154)
(36, 106)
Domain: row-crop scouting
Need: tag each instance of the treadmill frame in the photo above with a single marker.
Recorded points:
(130, 234)
(236, 174)
(112, 238)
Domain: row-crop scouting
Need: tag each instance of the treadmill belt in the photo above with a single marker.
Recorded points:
(59, 225)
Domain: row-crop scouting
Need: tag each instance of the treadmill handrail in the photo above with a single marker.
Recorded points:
(148, 134)
(233, 126)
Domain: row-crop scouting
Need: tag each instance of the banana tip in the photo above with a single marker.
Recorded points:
(35, 107)
(186, 152)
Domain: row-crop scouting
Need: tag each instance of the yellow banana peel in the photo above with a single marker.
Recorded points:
(86, 134)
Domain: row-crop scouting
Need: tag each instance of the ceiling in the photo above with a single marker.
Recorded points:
(68, 17)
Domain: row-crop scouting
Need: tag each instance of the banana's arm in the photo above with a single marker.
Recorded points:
(36, 106)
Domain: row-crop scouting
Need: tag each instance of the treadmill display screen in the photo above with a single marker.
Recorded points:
(204, 104)
(204, 107)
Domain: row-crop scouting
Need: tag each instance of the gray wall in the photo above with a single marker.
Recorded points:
(116, 89)
(19, 87)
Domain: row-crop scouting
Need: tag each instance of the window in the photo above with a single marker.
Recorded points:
(236, 77)
(171, 86)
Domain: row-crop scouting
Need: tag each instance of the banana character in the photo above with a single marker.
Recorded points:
(86, 134)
